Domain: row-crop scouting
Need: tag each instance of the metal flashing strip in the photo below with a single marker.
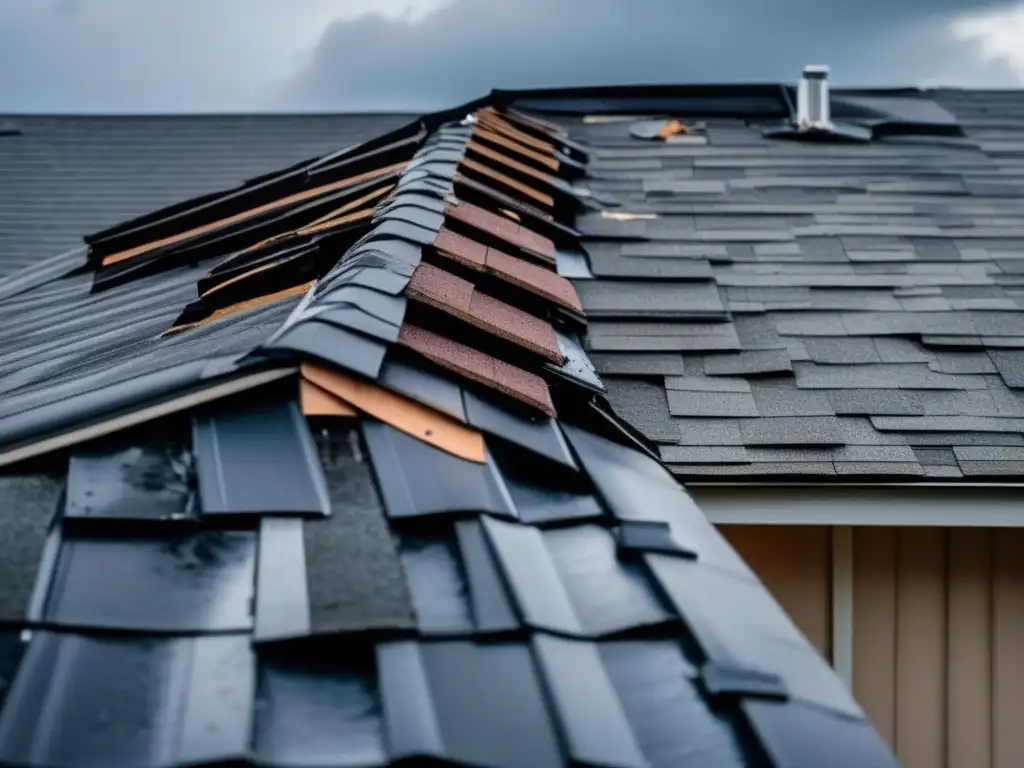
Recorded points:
(256, 456)
(493, 608)
(176, 404)
(282, 599)
(139, 482)
(530, 573)
(148, 702)
(417, 479)
(592, 717)
(155, 584)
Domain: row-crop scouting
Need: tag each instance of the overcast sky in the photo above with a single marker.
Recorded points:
(371, 55)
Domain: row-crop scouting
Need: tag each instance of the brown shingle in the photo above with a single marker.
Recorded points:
(538, 280)
(457, 297)
(462, 249)
(514, 325)
(440, 289)
(479, 366)
(503, 228)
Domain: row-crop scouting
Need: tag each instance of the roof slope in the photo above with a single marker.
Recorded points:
(64, 176)
(774, 309)
(316, 471)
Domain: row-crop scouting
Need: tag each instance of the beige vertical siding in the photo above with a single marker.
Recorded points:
(920, 647)
(939, 643)
(1008, 649)
(938, 631)
(794, 562)
(969, 698)
(874, 626)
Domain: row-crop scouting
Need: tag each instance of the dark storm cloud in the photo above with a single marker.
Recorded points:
(358, 55)
(469, 46)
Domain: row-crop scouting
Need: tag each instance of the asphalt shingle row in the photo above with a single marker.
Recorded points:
(777, 308)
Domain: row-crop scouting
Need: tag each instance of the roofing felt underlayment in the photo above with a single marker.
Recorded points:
(319, 470)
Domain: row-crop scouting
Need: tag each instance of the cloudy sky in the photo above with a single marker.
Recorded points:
(372, 55)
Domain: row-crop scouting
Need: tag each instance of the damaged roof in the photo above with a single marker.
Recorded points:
(317, 470)
(66, 176)
(770, 308)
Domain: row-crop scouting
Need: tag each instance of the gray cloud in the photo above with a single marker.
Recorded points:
(242, 55)
(469, 46)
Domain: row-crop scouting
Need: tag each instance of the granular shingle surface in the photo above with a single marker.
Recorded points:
(877, 281)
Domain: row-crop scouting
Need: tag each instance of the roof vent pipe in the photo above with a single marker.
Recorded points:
(812, 101)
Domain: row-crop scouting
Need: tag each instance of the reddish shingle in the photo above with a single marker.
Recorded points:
(479, 366)
(538, 280)
(459, 298)
(503, 228)
(462, 249)
(440, 289)
(516, 326)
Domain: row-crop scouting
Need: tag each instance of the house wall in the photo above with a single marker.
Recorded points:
(937, 630)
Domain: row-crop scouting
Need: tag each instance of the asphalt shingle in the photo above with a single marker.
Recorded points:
(791, 430)
(689, 404)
